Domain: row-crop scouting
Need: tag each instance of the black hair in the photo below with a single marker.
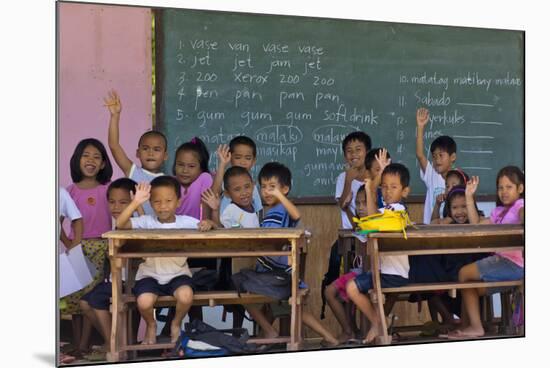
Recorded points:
(166, 181)
(515, 175)
(232, 172)
(444, 143)
(399, 170)
(357, 136)
(456, 191)
(461, 175)
(370, 157)
(194, 145)
(362, 188)
(244, 140)
(154, 133)
(104, 175)
(278, 171)
(122, 183)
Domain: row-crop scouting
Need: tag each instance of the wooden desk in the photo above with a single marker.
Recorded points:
(440, 239)
(125, 244)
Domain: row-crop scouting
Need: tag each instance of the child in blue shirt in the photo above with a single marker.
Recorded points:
(275, 182)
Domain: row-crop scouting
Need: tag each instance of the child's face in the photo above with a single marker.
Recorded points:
(355, 154)
(240, 190)
(392, 190)
(442, 161)
(451, 182)
(188, 167)
(164, 202)
(91, 162)
(375, 169)
(361, 204)
(458, 210)
(152, 152)
(243, 156)
(119, 199)
(508, 192)
(266, 188)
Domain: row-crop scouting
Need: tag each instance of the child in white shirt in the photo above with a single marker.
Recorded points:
(161, 275)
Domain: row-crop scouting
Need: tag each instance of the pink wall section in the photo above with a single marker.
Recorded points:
(100, 48)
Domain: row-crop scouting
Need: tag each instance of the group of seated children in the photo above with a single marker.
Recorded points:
(193, 198)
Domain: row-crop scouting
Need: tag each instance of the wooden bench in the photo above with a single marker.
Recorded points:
(132, 244)
(440, 239)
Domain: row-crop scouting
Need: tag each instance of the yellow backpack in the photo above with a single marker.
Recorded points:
(388, 221)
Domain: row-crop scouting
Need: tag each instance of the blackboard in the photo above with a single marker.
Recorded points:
(299, 85)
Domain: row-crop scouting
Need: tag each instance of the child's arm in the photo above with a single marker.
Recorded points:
(78, 228)
(422, 117)
(350, 215)
(435, 213)
(522, 215)
(370, 192)
(143, 192)
(442, 221)
(473, 215)
(287, 204)
(115, 107)
(224, 158)
(346, 197)
(212, 200)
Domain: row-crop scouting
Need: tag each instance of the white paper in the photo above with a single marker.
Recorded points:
(75, 271)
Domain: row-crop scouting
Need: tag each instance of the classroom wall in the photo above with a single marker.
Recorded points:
(100, 48)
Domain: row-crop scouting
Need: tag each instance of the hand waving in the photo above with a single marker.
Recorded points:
(471, 185)
(211, 199)
(112, 102)
(143, 193)
(422, 117)
(382, 159)
(224, 156)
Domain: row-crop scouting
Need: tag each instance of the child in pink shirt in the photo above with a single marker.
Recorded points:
(501, 266)
(91, 173)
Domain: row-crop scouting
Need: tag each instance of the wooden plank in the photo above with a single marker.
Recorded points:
(220, 254)
(450, 286)
(452, 251)
(282, 233)
(453, 231)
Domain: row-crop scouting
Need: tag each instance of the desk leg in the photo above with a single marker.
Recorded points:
(114, 355)
(296, 313)
(375, 267)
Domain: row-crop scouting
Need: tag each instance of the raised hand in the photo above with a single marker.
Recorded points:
(112, 102)
(275, 192)
(224, 156)
(471, 185)
(352, 173)
(422, 117)
(382, 158)
(211, 199)
(143, 193)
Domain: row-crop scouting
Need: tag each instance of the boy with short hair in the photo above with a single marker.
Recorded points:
(275, 183)
(394, 270)
(241, 152)
(443, 150)
(166, 275)
(95, 304)
(151, 151)
(355, 147)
